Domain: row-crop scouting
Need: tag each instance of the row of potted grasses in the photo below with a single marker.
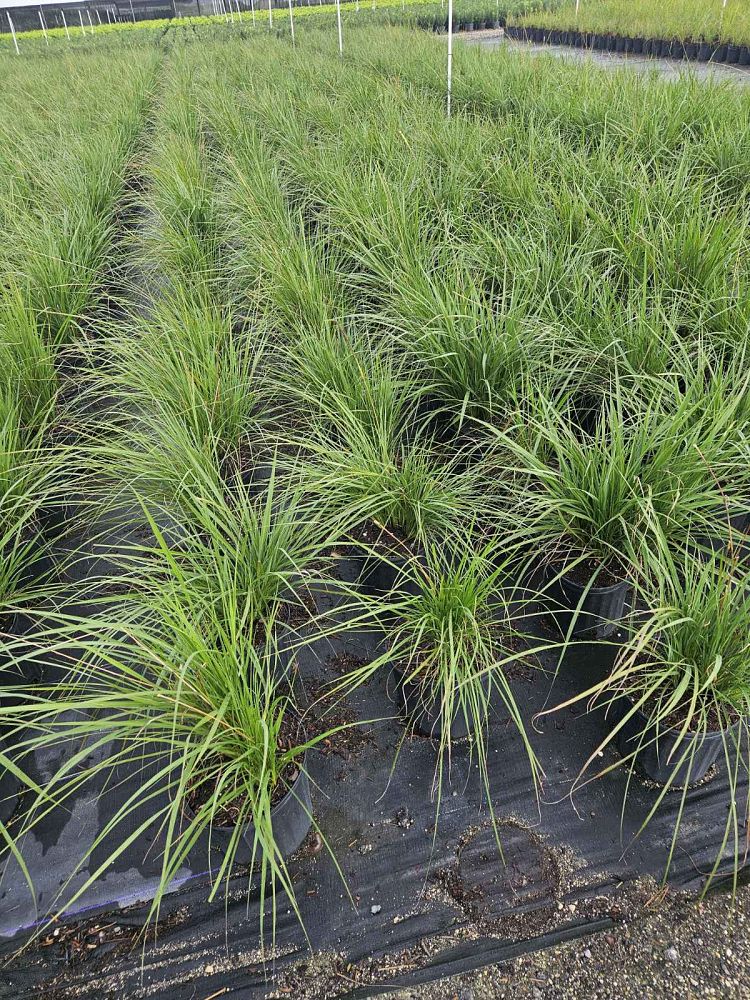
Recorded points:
(664, 48)
(468, 15)
(498, 384)
(712, 21)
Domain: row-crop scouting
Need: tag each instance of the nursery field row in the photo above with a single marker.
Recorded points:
(427, 14)
(307, 366)
(692, 21)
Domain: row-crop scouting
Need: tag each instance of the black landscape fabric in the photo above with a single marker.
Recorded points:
(424, 903)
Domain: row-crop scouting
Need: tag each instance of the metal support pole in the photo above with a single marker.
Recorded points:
(13, 32)
(450, 55)
(338, 22)
(44, 26)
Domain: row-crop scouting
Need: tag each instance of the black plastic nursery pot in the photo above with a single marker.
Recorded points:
(387, 567)
(691, 50)
(743, 59)
(421, 707)
(8, 786)
(665, 756)
(665, 48)
(291, 819)
(581, 609)
(733, 53)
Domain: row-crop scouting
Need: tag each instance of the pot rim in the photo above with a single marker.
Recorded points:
(675, 731)
(190, 813)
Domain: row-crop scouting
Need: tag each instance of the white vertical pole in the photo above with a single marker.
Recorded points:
(80, 18)
(13, 32)
(231, 12)
(252, 10)
(44, 26)
(270, 15)
(450, 54)
(291, 24)
(578, 2)
(65, 25)
(338, 22)
(91, 23)
(98, 18)
(132, 12)
(109, 16)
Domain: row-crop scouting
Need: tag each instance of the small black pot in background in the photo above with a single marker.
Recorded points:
(719, 54)
(743, 58)
(733, 53)
(423, 711)
(653, 748)
(690, 50)
(597, 615)
(620, 44)
(705, 51)
(637, 46)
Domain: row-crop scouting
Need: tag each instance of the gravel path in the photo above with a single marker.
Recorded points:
(680, 951)
(671, 69)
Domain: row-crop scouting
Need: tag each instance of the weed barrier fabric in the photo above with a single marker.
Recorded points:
(425, 903)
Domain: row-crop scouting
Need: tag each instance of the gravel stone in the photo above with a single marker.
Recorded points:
(708, 939)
